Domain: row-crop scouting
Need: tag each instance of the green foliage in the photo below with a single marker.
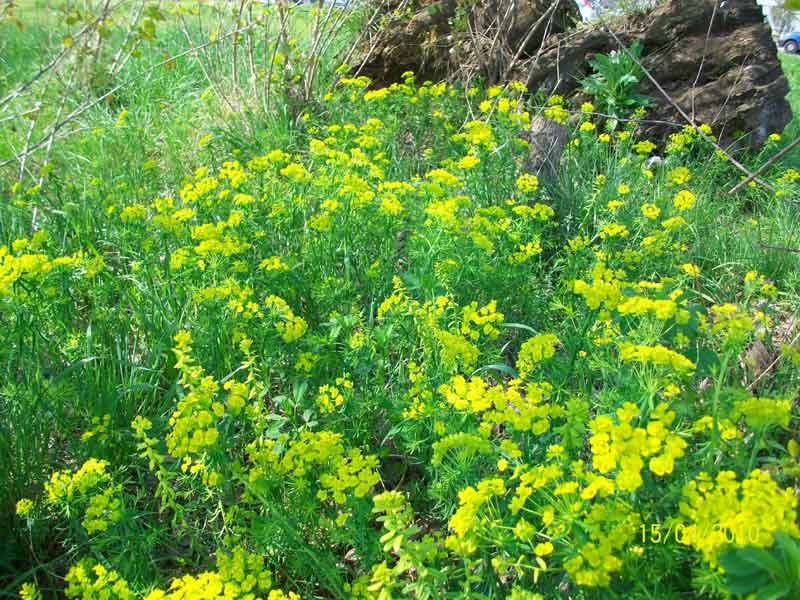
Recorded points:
(358, 354)
(614, 82)
(769, 575)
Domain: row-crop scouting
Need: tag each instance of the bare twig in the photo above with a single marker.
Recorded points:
(548, 14)
(780, 248)
(764, 167)
(235, 44)
(365, 31)
(25, 152)
(772, 364)
(118, 62)
(217, 90)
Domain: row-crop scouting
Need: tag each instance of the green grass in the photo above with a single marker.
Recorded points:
(403, 287)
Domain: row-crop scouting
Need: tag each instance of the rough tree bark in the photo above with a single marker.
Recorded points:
(443, 39)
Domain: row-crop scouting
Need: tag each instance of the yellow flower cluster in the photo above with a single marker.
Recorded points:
(273, 263)
(614, 230)
(239, 575)
(212, 239)
(539, 211)
(724, 511)
(477, 133)
(104, 509)
(684, 200)
(202, 186)
(331, 397)
(534, 351)
(28, 267)
(527, 183)
(625, 446)
(466, 518)
(476, 321)
(727, 428)
(650, 211)
(194, 421)
(29, 591)
(605, 289)
(521, 408)
(734, 326)
(132, 213)
(456, 349)
(661, 309)
(644, 147)
(24, 507)
(290, 326)
(260, 163)
(679, 176)
(465, 444)
(555, 109)
(525, 252)
(341, 472)
(656, 355)
(611, 527)
(85, 581)
(759, 413)
(530, 479)
(64, 485)
(296, 173)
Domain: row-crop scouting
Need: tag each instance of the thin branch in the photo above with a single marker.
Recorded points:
(772, 364)
(765, 166)
(780, 248)
(548, 14)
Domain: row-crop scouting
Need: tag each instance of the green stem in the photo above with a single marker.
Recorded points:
(720, 381)
(756, 443)
(587, 323)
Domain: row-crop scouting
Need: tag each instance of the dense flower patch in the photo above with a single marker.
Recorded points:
(388, 363)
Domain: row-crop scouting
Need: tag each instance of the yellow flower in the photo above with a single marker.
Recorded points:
(273, 263)
(684, 200)
(535, 350)
(651, 211)
(29, 591)
(613, 230)
(527, 183)
(691, 269)
(658, 355)
(543, 549)
(763, 412)
(24, 507)
(679, 176)
(374, 95)
(644, 147)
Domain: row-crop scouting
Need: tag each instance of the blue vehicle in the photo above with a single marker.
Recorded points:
(790, 42)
